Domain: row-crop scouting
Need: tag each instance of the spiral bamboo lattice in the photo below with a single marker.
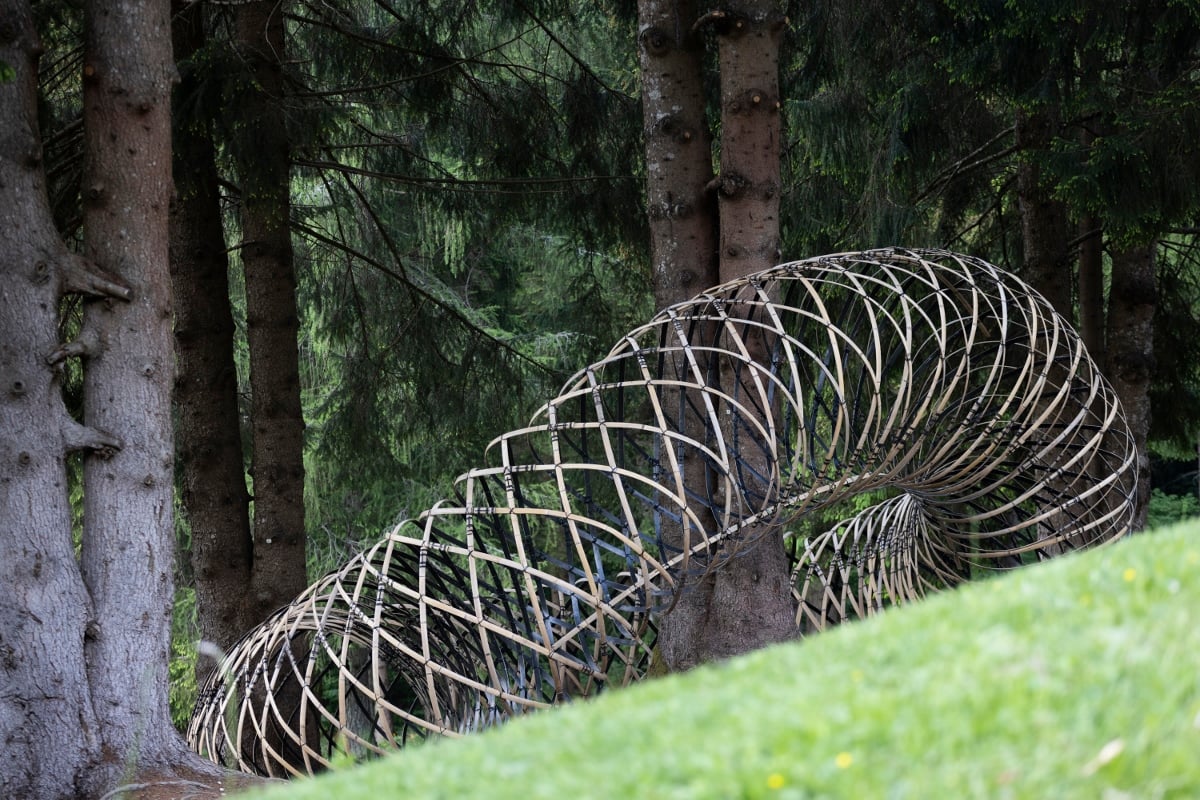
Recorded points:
(935, 386)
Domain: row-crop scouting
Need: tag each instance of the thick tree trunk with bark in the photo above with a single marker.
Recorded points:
(209, 438)
(128, 537)
(1045, 233)
(1045, 230)
(748, 36)
(1130, 352)
(750, 602)
(261, 152)
(83, 644)
(47, 725)
(262, 155)
(679, 201)
(682, 213)
(746, 603)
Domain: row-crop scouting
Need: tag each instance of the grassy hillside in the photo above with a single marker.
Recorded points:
(1079, 678)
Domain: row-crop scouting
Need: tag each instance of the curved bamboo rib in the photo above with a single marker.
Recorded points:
(933, 384)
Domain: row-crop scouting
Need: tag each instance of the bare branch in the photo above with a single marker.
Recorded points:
(971, 161)
(79, 275)
(1083, 237)
(80, 437)
(711, 17)
(400, 277)
(86, 344)
(464, 184)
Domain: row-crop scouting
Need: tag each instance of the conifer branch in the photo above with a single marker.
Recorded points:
(463, 184)
(400, 277)
(996, 206)
(579, 62)
(968, 163)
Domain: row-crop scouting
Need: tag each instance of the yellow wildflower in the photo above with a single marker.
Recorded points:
(843, 760)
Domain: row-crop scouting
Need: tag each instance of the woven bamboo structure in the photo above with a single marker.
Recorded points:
(934, 384)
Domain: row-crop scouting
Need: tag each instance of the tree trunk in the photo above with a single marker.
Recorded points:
(1091, 231)
(83, 644)
(748, 37)
(261, 153)
(747, 602)
(679, 202)
(751, 603)
(683, 232)
(128, 536)
(1130, 364)
(47, 724)
(1091, 286)
(1091, 273)
(1045, 234)
(209, 436)
(1044, 227)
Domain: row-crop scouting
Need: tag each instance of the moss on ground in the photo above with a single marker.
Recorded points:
(1078, 678)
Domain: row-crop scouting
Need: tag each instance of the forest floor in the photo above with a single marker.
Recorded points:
(173, 786)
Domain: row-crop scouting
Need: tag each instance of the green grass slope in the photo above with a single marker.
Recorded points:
(1079, 678)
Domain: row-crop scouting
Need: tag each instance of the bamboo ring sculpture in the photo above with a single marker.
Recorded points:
(933, 383)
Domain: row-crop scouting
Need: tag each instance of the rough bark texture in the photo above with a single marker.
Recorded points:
(128, 539)
(682, 213)
(679, 201)
(48, 731)
(748, 38)
(209, 439)
(1130, 362)
(751, 604)
(747, 603)
(83, 643)
(261, 152)
(1044, 227)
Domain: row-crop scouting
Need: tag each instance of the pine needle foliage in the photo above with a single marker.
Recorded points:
(465, 199)
(900, 118)
(885, 145)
